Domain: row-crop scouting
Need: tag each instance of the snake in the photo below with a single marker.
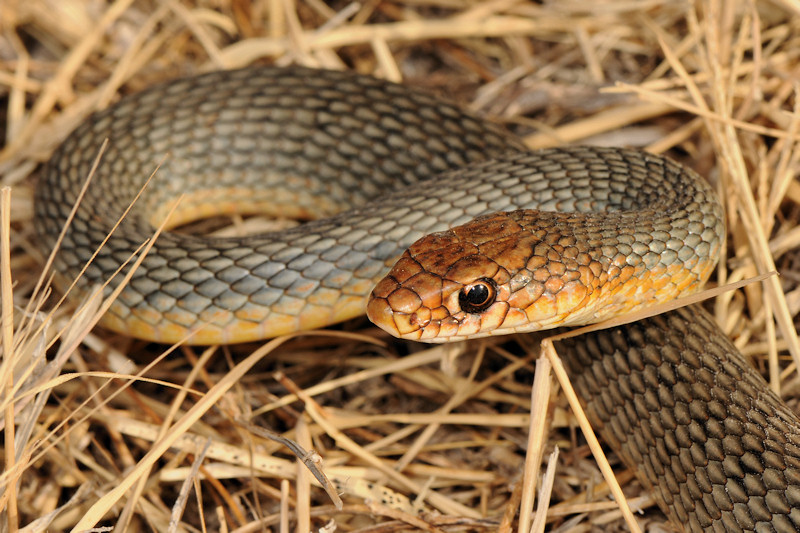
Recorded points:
(439, 225)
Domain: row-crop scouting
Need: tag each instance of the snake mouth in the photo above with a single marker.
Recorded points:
(401, 325)
(410, 323)
(420, 324)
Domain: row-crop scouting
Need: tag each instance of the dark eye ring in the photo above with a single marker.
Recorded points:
(478, 295)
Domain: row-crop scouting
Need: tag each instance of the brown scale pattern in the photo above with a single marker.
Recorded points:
(682, 408)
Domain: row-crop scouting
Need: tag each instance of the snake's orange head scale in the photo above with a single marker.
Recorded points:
(487, 277)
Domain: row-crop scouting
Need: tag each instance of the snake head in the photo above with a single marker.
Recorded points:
(490, 276)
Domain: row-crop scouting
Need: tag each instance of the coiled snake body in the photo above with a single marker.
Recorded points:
(670, 394)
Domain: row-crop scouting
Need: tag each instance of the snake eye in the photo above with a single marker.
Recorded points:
(478, 295)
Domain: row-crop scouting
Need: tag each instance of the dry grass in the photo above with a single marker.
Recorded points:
(109, 431)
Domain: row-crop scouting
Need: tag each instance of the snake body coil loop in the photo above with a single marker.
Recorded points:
(670, 394)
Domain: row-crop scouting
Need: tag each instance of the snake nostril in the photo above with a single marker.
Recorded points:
(478, 295)
(404, 300)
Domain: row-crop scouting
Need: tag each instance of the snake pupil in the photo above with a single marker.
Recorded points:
(478, 295)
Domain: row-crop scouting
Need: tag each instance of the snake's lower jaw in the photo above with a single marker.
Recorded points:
(416, 326)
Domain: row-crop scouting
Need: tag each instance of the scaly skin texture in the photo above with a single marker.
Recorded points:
(679, 404)
(298, 142)
(670, 394)
(633, 230)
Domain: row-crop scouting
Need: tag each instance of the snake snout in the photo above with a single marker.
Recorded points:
(408, 302)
